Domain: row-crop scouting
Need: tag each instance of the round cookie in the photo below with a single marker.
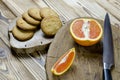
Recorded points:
(30, 19)
(46, 11)
(35, 13)
(22, 24)
(21, 34)
(50, 25)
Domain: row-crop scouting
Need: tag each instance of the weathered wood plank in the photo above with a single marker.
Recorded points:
(111, 9)
(40, 3)
(33, 66)
(96, 11)
(16, 65)
(13, 7)
(4, 32)
(32, 63)
(115, 3)
(18, 6)
(77, 8)
(62, 9)
(81, 8)
(5, 11)
(10, 67)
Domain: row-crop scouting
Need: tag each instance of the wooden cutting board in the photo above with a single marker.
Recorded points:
(88, 61)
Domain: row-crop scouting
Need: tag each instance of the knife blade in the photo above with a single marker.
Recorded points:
(108, 52)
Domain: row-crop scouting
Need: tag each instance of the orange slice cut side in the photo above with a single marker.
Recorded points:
(64, 62)
(86, 32)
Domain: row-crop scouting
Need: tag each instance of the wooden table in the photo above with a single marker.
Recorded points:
(28, 66)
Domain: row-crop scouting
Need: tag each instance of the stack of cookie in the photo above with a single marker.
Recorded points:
(34, 19)
(27, 24)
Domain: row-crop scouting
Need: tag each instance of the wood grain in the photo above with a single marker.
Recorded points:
(10, 67)
(84, 8)
(88, 61)
(24, 67)
(21, 65)
(14, 66)
(5, 11)
(18, 6)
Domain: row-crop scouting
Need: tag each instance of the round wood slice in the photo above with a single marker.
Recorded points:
(88, 61)
(36, 43)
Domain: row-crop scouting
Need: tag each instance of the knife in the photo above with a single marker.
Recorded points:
(108, 53)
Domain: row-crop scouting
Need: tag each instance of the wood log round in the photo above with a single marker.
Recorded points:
(88, 61)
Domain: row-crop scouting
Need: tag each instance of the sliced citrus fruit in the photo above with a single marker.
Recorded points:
(64, 62)
(86, 31)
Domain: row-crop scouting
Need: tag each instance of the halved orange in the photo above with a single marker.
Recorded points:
(86, 31)
(64, 62)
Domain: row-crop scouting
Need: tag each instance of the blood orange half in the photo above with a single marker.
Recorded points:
(64, 62)
(86, 32)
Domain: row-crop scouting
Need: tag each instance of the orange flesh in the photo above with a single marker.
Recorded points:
(77, 28)
(94, 29)
(61, 66)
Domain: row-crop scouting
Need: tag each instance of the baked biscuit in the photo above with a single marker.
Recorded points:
(50, 25)
(22, 24)
(35, 13)
(30, 19)
(45, 12)
(21, 34)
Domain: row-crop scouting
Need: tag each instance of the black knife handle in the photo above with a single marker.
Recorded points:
(107, 74)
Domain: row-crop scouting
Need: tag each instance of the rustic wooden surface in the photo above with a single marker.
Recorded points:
(30, 66)
(88, 61)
